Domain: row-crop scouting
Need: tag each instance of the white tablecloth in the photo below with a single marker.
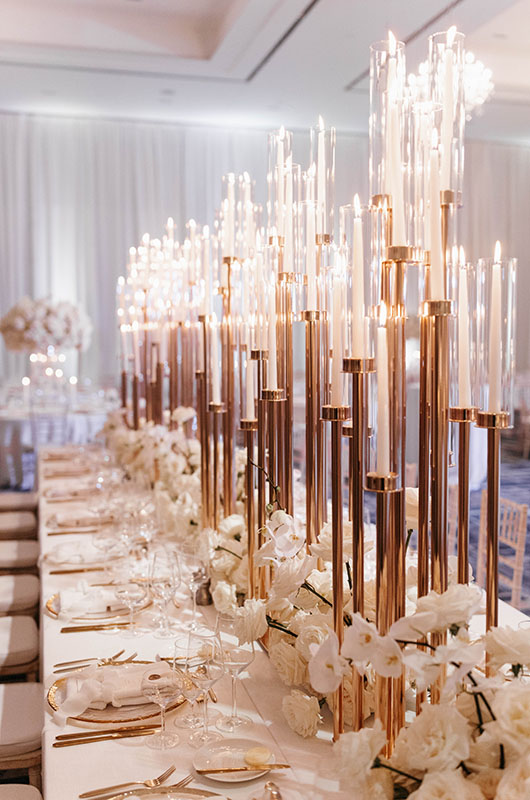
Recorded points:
(71, 770)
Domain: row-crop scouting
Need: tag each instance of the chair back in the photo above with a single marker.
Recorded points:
(512, 540)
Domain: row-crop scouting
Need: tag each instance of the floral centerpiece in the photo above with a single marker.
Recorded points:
(35, 325)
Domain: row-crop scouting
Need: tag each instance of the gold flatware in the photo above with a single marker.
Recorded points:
(103, 662)
(74, 570)
(107, 737)
(180, 785)
(85, 628)
(68, 532)
(150, 782)
(258, 768)
(65, 737)
(89, 658)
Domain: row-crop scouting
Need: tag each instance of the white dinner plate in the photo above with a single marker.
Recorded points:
(229, 753)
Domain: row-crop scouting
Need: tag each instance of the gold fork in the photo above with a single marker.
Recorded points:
(152, 782)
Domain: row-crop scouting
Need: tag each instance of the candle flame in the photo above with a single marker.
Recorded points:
(206, 232)
(145, 239)
(192, 224)
(73, 380)
(451, 35)
(132, 251)
(121, 281)
(357, 205)
(26, 381)
(391, 43)
(497, 256)
(321, 125)
(281, 133)
(383, 314)
(246, 177)
(462, 257)
(170, 222)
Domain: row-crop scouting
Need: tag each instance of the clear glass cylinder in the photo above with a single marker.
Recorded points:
(279, 157)
(496, 280)
(385, 408)
(317, 258)
(246, 217)
(389, 136)
(446, 75)
(354, 236)
(425, 119)
(228, 216)
(322, 156)
(463, 388)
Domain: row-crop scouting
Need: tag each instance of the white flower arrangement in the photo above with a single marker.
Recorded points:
(35, 325)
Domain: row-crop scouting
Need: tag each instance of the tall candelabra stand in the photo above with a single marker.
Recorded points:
(312, 424)
(463, 418)
(172, 361)
(336, 415)
(136, 401)
(204, 428)
(217, 410)
(356, 432)
(228, 389)
(123, 387)
(250, 426)
(323, 349)
(261, 356)
(285, 376)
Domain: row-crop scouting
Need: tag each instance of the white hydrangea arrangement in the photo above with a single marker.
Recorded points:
(35, 325)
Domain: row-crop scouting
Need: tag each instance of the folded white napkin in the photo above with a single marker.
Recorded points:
(98, 687)
(86, 599)
(80, 519)
(79, 552)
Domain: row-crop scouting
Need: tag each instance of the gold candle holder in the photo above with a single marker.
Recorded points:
(312, 421)
(493, 423)
(136, 402)
(249, 426)
(261, 357)
(285, 281)
(357, 367)
(336, 415)
(463, 417)
(216, 409)
(384, 486)
(204, 427)
(124, 388)
(228, 391)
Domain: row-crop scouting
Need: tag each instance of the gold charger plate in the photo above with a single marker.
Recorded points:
(51, 607)
(109, 715)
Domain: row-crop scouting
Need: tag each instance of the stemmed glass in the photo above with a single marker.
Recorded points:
(190, 689)
(204, 666)
(133, 596)
(164, 580)
(162, 687)
(236, 659)
(109, 544)
(194, 572)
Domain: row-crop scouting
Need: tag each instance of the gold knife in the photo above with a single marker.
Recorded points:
(103, 732)
(259, 768)
(84, 628)
(68, 532)
(72, 742)
(74, 570)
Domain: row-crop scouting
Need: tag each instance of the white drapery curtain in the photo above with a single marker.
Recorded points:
(75, 194)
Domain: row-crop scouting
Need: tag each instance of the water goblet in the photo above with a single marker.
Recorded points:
(162, 687)
(204, 666)
(236, 659)
(164, 580)
(190, 689)
(133, 595)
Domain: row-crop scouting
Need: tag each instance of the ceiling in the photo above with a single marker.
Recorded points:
(252, 63)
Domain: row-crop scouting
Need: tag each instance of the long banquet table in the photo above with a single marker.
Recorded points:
(71, 770)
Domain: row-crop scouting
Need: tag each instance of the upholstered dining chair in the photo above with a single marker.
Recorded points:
(19, 791)
(19, 501)
(19, 648)
(22, 720)
(512, 539)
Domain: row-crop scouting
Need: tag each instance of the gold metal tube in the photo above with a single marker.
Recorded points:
(135, 403)
(249, 426)
(312, 407)
(383, 686)
(228, 395)
(492, 551)
(160, 368)
(217, 411)
(124, 388)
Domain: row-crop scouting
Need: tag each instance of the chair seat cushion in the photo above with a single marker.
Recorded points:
(18, 791)
(19, 641)
(18, 553)
(19, 501)
(22, 718)
(18, 525)
(18, 592)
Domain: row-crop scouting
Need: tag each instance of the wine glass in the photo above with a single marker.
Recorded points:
(194, 572)
(204, 666)
(133, 596)
(236, 658)
(109, 544)
(190, 688)
(164, 580)
(162, 687)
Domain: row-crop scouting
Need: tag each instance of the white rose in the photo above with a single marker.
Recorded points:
(232, 526)
(312, 633)
(455, 607)
(347, 703)
(224, 597)
(515, 783)
(448, 785)
(289, 664)
(511, 706)
(302, 712)
(251, 621)
(355, 752)
(508, 646)
(438, 739)
(488, 781)
(321, 582)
